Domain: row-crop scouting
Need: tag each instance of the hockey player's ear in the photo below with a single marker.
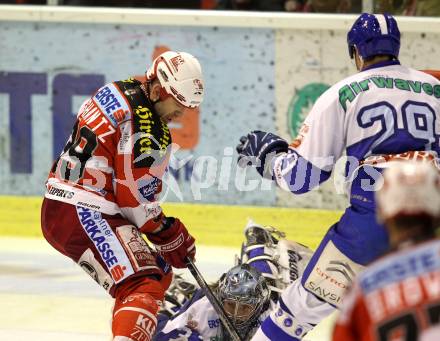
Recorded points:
(358, 59)
(155, 92)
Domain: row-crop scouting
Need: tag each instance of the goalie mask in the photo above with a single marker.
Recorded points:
(244, 295)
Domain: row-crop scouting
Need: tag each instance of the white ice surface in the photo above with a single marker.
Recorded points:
(44, 296)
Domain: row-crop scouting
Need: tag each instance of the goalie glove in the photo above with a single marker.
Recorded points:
(279, 260)
(173, 242)
(255, 148)
(178, 293)
(259, 251)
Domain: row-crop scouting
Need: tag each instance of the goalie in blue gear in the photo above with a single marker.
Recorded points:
(267, 264)
(245, 297)
(383, 113)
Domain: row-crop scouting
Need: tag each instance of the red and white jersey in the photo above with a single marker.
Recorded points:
(116, 156)
(395, 298)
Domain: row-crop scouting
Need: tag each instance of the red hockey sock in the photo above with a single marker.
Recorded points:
(136, 306)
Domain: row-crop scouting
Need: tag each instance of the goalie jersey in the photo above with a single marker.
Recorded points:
(115, 157)
(397, 295)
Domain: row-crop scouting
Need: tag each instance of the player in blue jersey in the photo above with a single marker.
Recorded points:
(385, 112)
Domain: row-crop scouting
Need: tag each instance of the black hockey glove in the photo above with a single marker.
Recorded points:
(256, 146)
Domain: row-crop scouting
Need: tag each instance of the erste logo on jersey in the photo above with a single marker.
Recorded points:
(105, 241)
(112, 104)
(393, 269)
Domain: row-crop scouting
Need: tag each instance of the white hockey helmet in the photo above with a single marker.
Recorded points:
(409, 188)
(180, 76)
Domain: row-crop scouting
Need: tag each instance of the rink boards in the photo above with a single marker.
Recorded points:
(217, 225)
(46, 297)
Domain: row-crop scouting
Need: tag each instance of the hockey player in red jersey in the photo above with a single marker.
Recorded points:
(397, 297)
(103, 191)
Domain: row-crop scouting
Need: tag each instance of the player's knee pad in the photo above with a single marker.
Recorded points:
(134, 318)
(330, 271)
(136, 304)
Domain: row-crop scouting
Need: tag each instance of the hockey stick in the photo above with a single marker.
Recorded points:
(213, 300)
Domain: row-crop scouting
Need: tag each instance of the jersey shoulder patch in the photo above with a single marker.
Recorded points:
(152, 136)
(112, 103)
